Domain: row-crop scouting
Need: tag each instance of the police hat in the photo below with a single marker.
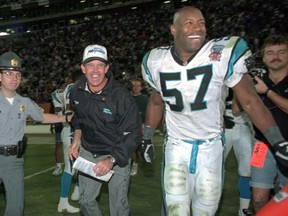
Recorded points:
(10, 61)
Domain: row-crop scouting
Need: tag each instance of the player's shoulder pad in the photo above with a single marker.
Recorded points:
(59, 91)
(155, 53)
(228, 40)
(69, 87)
(235, 43)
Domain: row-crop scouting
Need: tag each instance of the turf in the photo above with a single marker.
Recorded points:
(42, 189)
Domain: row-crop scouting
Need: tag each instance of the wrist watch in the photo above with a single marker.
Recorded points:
(112, 159)
(266, 92)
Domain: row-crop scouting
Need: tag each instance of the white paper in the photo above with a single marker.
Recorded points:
(86, 166)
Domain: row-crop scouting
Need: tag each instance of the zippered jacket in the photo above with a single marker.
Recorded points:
(110, 121)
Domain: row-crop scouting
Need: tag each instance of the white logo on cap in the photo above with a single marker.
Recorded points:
(95, 50)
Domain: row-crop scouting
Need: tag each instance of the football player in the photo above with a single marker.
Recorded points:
(239, 136)
(191, 80)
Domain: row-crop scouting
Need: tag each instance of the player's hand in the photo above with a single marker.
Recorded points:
(281, 152)
(147, 150)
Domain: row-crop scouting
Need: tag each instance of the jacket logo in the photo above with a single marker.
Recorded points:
(107, 111)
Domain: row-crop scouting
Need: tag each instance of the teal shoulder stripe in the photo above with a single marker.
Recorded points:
(55, 98)
(145, 65)
(238, 51)
(70, 87)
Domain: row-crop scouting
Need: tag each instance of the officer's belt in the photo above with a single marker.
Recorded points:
(8, 150)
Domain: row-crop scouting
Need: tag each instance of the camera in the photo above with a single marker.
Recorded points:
(256, 72)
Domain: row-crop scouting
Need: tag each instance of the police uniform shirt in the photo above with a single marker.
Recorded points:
(13, 118)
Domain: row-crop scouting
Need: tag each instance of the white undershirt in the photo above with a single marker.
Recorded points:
(10, 100)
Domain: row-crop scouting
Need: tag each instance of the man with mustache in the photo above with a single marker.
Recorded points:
(273, 90)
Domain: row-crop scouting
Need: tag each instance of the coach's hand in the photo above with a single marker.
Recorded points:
(281, 152)
(147, 150)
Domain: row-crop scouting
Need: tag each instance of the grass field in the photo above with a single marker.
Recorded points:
(42, 189)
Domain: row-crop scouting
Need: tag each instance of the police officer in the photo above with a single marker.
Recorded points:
(14, 109)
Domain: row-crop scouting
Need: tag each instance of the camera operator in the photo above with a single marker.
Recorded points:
(273, 89)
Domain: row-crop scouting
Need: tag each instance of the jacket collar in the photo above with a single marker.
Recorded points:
(84, 85)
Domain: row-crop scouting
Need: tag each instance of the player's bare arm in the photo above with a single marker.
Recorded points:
(261, 117)
(252, 104)
(154, 111)
(154, 115)
(236, 106)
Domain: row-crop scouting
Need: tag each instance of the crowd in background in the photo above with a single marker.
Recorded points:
(51, 55)
(5, 3)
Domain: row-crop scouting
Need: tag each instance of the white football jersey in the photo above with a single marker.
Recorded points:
(194, 93)
(66, 95)
(241, 118)
(58, 98)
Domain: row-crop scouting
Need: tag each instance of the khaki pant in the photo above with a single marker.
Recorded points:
(90, 187)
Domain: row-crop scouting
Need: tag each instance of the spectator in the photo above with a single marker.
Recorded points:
(141, 101)
(272, 175)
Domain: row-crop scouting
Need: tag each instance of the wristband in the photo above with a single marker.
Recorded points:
(148, 132)
(266, 92)
(66, 116)
(273, 135)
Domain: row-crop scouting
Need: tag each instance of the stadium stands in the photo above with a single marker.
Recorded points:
(51, 46)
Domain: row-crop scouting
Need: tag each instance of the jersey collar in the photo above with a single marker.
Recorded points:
(178, 60)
